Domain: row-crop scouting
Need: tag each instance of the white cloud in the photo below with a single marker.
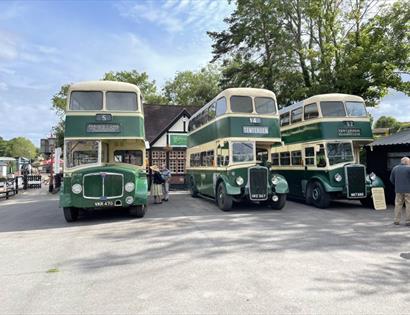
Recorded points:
(3, 86)
(8, 46)
(395, 104)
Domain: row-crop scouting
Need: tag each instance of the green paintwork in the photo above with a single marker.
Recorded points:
(298, 180)
(178, 140)
(230, 126)
(327, 130)
(130, 173)
(130, 126)
(204, 181)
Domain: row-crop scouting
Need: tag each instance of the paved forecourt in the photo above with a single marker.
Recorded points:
(186, 256)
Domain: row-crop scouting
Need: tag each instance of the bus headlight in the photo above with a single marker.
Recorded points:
(76, 189)
(372, 176)
(274, 180)
(338, 177)
(129, 200)
(129, 187)
(239, 180)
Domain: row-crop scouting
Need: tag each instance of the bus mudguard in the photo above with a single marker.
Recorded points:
(325, 183)
(230, 189)
(282, 186)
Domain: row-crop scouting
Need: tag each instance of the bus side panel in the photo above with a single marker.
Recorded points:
(141, 190)
(65, 193)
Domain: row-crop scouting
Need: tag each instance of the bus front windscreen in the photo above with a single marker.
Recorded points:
(339, 152)
(81, 152)
(356, 109)
(86, 100)
(242, 152)
(265, 105)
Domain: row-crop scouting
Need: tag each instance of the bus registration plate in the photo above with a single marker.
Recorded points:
(255, 130)
(104, 203)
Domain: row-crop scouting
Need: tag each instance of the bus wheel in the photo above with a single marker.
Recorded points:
(318, 196)
(367, 202)
(70, 214)
(223, 201)
(192, 188)
(138, 211)
(278, 205)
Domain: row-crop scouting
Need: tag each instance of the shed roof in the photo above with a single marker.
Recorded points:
(402, 137)
(159, 118)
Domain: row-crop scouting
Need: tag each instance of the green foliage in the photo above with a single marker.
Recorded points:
(59, 100)
(302, 48)
(3, 147)
(388, 122)
(193, 88)
(21, 147)
(147, 87)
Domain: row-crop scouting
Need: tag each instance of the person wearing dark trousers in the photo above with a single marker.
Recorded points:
(400, 178)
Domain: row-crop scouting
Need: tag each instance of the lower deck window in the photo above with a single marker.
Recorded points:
(285, 158)
(242, 151)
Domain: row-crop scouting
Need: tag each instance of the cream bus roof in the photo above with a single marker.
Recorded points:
(324, 97)
(104, 86)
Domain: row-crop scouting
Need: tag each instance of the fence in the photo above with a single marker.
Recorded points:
(11, 186)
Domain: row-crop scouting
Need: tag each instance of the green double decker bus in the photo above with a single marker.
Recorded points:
(104, 149)
(320, 158)
(229, 142)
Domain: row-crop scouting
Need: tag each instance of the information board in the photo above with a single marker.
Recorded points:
(379, 199)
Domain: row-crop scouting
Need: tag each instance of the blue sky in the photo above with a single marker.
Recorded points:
(45, 44)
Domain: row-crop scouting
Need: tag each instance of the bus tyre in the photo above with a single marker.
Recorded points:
(192, 187)
(138, 211)
(70, 214)
(223, 201)
(278, 205)
(317, 195)
(367, 202)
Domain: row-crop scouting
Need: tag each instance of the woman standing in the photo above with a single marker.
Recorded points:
(156, 187)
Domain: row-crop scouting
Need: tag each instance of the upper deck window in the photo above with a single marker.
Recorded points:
(356, 109)
(311, 111)
(284, 119)
(220, 106)
(241, 104)
(333, 109)
(122, 101)
(265, 105)
(212, 111)
(297, 115)
(86, 100)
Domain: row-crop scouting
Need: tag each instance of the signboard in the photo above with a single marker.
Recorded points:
(57, 156)
(102, 128)
(103, 117)
(178, 139)
(349, 132)
(260, 130)
(379, 200)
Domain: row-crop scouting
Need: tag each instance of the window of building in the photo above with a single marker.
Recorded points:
(297, 115)
(285, 158)
(158, 158)
(284, 119)
(220, 106)
(394, 158)
(177, 162)
(241, 104)
(310, 156)
(311, 111)
(275, 158)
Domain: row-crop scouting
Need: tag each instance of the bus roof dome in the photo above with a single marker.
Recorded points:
(103, 85)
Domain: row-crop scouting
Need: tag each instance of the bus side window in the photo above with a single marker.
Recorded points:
(320, 157)
(311, 111)
(296, 157)
(309, 156)
(284, 119)
(296, 115)
(275, 158)
(210, 161)
(212, 111)
(285, 158)
(220, 106)
(223, 154)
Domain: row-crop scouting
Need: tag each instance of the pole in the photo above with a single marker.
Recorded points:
(51, 183)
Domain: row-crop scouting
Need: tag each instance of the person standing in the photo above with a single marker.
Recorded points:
(400, 178)
(156, 186)
(166, 175)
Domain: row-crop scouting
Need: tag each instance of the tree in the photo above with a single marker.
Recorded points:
(301, 48)
(193, 87)
(388, 122)
(21, 147)
(59, 100)
(3, 147)
(147, 87)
